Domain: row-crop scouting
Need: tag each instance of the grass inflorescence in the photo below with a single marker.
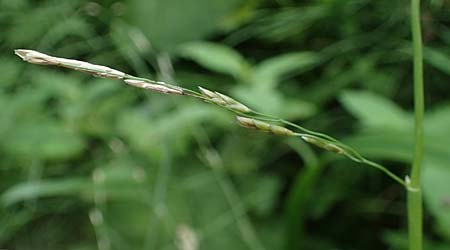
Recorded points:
(246, 117)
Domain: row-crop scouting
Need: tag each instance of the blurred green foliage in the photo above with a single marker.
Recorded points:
(88, 163)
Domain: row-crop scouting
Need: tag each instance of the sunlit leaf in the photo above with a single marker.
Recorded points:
(438, 59)
(168, 23)
(45, 188)
(436, 187)
(216, 57)
(374, 110)
(272, 70)
(44, 140)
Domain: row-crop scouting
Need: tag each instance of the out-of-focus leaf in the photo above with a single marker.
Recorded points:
(10, 71)
(117, 180)
(32, 24)
(45, 188)
(239, 152)
(241, 16)
(261, 99)
(398, 145)
(374, 111)
(44, 139)
(386, 144)
(58, 85)
(272, 102)
(436, 187)
(147, 133)
(438, 59)
(438, 121)
(13, 5)
(435, 57)
(12, 222)
(216, 57)
(287, 23)
(370, 76)
(70, 26)
(130, 220)
(120, 180)
(259, 193)
(297, 109)
(272, 70)
(168, 23)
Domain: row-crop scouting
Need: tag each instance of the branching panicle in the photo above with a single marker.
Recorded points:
(246, 117)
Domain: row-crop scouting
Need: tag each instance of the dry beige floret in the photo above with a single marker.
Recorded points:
(35, 57)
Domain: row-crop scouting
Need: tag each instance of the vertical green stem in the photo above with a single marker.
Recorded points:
(414, 188)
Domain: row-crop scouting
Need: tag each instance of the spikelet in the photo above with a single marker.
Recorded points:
(323, 144)
(263, 126)
(223, 100)
(35, 57)
(159, 87)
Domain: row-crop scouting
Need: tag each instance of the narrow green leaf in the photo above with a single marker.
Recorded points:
(215, 57)
(374, 110)
(436, 187)
(437, 59)
(438, 121)
(272, 70)
(169, 23)
(45, 188)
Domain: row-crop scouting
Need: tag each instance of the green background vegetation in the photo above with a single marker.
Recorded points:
(89, 163)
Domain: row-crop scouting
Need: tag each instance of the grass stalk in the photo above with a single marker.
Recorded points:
(414, 197)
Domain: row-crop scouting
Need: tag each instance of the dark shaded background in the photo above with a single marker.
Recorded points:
(87, 163)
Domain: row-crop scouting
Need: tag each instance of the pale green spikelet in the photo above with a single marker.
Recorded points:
(207, 93)
(224, 100)
(329, 146)
(263, 126)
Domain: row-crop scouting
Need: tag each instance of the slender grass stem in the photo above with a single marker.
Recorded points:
(414, 188)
